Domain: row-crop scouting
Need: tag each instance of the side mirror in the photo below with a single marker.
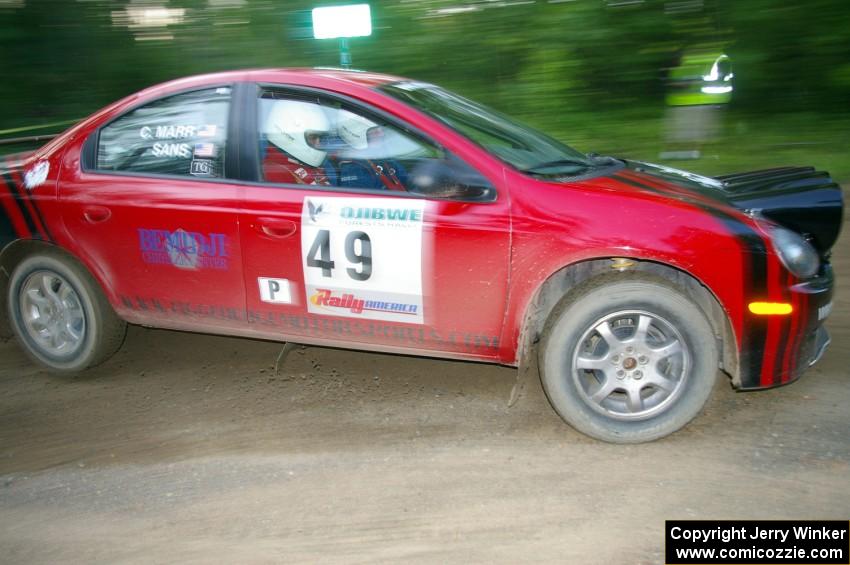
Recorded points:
(451, 179)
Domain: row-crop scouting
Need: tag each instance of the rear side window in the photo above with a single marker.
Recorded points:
(180, 135)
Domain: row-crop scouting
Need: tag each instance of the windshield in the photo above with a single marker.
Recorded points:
(526, 149)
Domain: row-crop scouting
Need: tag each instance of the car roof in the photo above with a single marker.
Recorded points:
(305, 76)
(364, 78)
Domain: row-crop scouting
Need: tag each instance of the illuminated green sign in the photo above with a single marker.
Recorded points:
(331, 22)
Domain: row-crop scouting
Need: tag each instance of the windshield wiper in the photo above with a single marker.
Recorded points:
(601, 160)
(539, 167)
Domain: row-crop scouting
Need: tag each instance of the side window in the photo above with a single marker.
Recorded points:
(323, 142)
(180, 135)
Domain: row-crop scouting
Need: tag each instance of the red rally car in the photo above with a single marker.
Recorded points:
(367, 211)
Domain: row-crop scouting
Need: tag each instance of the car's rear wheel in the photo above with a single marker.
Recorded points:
(628, 361)
(59, 315)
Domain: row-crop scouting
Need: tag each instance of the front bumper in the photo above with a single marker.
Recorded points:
(822, 341)
(795, 342)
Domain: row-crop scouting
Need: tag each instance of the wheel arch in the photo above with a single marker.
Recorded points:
(558, 287)
(13, 254)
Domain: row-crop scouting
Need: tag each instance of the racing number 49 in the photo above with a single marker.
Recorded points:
(319, 255)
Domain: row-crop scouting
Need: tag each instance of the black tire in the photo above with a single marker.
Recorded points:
(577, 361)
(100, 331)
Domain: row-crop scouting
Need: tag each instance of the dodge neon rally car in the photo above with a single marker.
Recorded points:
(366, 211)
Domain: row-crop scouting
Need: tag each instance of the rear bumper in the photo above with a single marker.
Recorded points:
(795, 342)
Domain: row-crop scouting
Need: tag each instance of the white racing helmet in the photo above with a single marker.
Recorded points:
(353, 129)
(289, 123)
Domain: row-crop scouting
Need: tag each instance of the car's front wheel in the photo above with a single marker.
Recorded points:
(59, 315)
(628, 361)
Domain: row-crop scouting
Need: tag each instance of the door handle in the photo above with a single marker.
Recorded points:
(96, 214)
(276, 228)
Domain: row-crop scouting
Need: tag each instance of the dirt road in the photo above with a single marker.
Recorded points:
(189, 448)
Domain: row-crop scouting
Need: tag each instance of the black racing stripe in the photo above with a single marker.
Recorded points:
(8, 233)
(784, 332)
(637, 184)
(754, 286)
(754, 340)
(45, 231)
(13, 189)
(670, 193)
(7, 230)
(803, 311)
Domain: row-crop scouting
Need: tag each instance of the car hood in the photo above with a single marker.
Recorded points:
(802, 199)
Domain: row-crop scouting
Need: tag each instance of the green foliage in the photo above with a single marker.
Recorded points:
(790, 56)
(591, 71)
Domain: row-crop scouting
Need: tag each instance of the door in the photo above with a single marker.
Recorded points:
(149, 209)
(363, 233)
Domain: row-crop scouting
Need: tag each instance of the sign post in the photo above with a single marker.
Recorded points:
(344, 53)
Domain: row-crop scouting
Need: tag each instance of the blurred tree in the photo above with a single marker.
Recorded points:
(63, 58)
(790, 56)
(551, 61)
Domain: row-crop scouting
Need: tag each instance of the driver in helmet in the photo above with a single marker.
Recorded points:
(296, 132)
(366, 164)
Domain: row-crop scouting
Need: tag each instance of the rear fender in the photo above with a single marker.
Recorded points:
(13, 254)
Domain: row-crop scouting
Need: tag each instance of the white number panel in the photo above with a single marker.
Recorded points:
(362, 257)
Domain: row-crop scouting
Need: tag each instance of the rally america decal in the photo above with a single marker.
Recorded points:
(362, 257)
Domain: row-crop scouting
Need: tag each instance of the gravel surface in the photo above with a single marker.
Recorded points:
(190, 448)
